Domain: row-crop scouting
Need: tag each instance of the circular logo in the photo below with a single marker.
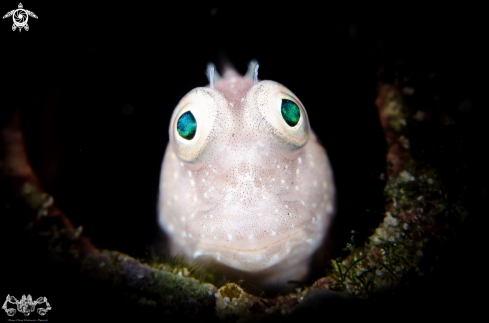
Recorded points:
(20, 17)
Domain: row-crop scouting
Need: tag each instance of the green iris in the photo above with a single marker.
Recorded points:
(187, 125)
(290, 112)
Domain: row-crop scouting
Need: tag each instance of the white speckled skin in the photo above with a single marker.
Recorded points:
(248, 190)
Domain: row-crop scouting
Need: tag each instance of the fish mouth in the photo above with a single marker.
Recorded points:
(259, 254)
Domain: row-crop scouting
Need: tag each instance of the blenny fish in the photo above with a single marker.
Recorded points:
(244, 180)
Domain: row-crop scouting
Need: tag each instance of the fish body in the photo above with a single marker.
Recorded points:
(244, 180)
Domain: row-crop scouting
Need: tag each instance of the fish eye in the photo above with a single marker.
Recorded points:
(282, 117)
(194, 125)
(187, 125)
(290, 112)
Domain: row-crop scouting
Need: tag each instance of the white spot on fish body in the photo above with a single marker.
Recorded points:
(329, 208)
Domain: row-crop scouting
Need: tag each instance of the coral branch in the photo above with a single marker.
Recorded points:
(27, 189)
(415, 202)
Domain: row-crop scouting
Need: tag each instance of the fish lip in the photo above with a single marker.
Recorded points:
(275, 250)
(269, 241)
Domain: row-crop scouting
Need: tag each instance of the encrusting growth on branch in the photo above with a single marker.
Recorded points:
(27, 188)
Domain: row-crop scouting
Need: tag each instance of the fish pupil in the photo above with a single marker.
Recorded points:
(290, 112)
(187, 125)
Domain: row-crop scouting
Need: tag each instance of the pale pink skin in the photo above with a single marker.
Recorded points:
(251, 193)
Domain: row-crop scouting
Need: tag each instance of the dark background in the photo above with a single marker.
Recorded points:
(97, 85)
